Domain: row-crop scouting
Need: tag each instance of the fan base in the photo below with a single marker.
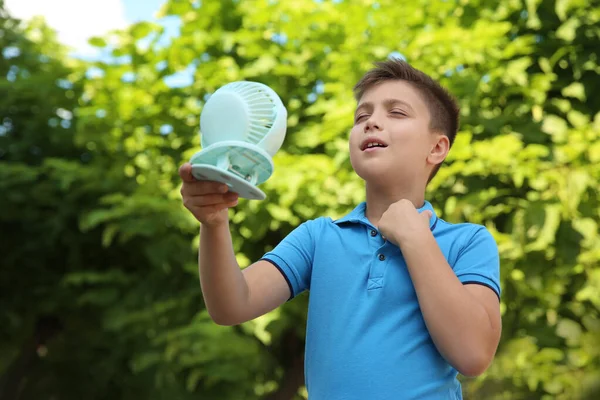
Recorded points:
(236, 184)
(240, 165)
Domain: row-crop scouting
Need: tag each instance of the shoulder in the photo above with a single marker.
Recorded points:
(311, 229)
(320, 222)
(318, 225)
(460, 228)
(463, 233)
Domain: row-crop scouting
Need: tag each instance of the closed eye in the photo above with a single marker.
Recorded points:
(361, 117)
(398, 113)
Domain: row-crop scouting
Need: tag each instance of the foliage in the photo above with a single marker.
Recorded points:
(99, 280)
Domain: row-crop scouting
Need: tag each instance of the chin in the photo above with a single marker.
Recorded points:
(373, 169)
(373, 174)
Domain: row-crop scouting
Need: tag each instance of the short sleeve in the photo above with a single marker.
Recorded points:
(479, 262)
(294, 256)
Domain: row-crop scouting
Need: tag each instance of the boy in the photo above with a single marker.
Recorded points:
(400, 300)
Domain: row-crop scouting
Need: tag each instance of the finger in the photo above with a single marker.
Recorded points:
(199, 188)
(212, 199)
(185, 173)
(217, 207)
(427, 214)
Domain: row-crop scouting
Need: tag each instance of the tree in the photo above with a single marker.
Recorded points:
(59, 281)
(119, 249)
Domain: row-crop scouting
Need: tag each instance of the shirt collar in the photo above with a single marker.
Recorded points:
(358, 215)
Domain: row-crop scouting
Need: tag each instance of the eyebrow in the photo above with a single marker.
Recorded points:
(386, 102)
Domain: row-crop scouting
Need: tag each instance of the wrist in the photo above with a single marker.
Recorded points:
(413, 240)
(214, 225)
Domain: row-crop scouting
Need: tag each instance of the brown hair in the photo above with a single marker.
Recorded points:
(443, 107)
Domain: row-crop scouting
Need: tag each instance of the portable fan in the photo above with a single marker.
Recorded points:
(243, 125)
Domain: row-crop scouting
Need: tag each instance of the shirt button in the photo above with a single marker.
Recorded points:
(381, 257)
(373, 233)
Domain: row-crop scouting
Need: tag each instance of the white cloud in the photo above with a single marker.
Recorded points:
(74, 20)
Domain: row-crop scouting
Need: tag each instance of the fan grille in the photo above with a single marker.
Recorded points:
(262, 109)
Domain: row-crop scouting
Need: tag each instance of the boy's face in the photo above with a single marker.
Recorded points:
(394, 115)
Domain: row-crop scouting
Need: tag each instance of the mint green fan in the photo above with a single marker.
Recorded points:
(243, 125)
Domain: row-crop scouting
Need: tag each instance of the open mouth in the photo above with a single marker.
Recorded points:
(372, 145)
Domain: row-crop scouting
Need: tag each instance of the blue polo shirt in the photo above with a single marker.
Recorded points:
(366, 337)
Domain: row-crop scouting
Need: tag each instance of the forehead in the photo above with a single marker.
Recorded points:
(396, 90)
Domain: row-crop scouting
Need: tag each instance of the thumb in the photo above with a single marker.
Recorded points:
(427, 214)
(185, 172)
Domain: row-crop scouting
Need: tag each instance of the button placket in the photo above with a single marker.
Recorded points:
(375, 238)
(378, 266)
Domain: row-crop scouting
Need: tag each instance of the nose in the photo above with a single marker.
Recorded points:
(372, 125)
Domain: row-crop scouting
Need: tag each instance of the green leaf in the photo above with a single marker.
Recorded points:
(553, 387)
(567, 31)
(142, 29)
(563, 7)
(555, 126)
(97, 42)
(545, 235)
(575, 90)
(569, 330)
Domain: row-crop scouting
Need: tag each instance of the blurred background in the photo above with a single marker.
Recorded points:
(100, 104)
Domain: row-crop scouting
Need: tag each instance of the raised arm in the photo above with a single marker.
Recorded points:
(232, 296)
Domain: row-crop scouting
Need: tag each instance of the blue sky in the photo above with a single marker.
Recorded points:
(88, 18)
(85, 18)
(144, 10)
(141, 10)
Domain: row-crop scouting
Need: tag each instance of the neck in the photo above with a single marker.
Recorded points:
(380, 197)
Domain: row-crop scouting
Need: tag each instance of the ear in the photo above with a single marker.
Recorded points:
(440, 148)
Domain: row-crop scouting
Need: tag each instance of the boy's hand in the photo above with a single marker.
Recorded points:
(208, 201)
(402, 221)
